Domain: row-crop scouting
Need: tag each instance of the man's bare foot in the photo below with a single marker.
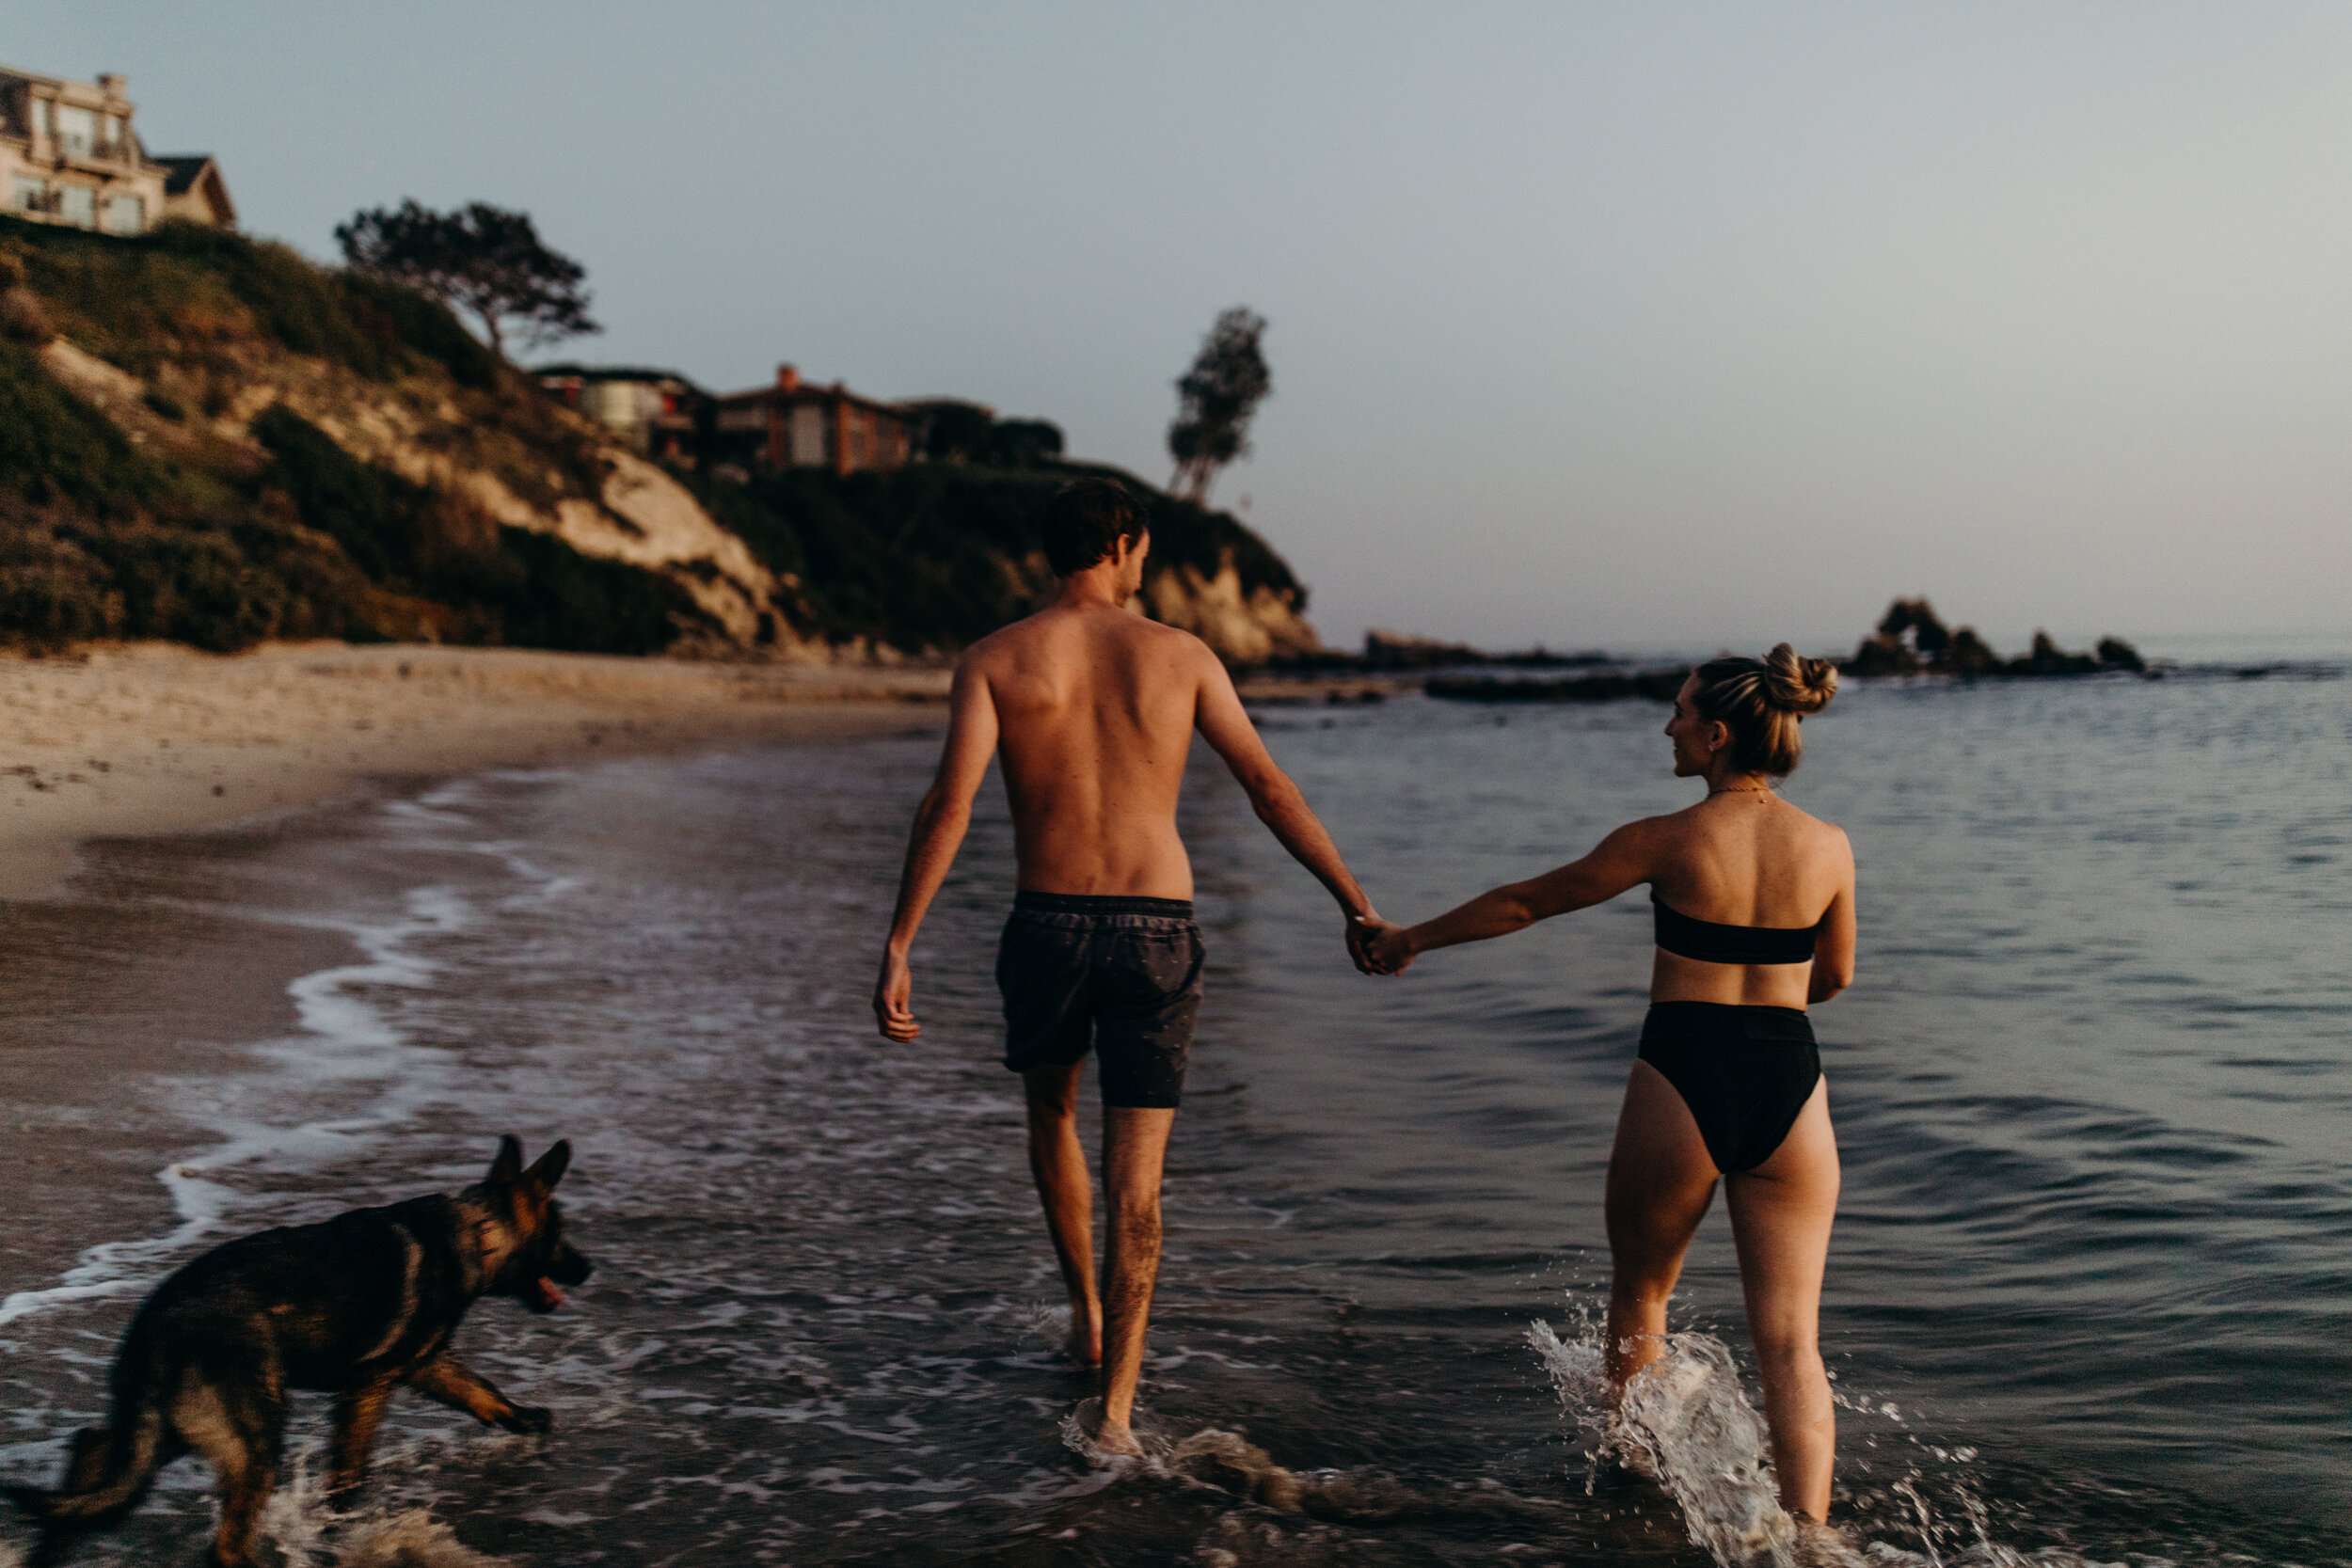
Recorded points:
(1108, 1436)
(1085, 1345)
(1099, 1438)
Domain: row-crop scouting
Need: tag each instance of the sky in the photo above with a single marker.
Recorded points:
(1596, 326)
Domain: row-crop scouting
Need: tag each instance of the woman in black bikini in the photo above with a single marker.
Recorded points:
(1755, 912)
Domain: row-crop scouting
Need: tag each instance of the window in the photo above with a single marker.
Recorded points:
(125, 214)
(113, 131)
(77, 129)
(78, 205)
(40, 117)
(30, 194)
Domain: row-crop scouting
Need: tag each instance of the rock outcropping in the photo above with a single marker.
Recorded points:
(1911, 640)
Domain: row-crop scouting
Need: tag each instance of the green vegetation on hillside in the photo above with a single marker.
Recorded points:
(97, 539)
(101, 538)
(930, 557)
(154, 521)
(190, 297)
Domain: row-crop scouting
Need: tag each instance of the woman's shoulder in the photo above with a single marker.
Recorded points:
(1824, 837)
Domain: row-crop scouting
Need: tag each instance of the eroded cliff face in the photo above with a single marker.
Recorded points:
(1243, 625)
(606, 503)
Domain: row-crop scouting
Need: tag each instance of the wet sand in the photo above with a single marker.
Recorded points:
(131, 776)
(150, 738)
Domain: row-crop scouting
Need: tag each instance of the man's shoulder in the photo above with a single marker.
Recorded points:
(1048, 629)
(1009, 641)
(1160, 636)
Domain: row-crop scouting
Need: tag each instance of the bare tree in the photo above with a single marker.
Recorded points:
(1216, 400)
(478, 258)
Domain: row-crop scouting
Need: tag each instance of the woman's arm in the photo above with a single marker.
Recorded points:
(1833, 949)
(1621, 860)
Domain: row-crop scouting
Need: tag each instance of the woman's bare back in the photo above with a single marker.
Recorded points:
(1748, 858)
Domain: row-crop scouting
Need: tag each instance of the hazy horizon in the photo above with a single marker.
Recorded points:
(1686, 326)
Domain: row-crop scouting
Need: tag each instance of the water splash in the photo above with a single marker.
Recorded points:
(1686, 1423)
(311, 1535)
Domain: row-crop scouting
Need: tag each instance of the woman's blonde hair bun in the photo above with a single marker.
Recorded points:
(1761, 702)
(1797, 686)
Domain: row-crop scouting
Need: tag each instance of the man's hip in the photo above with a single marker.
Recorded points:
(1119, 976)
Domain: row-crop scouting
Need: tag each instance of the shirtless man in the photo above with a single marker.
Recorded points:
(1092, 710)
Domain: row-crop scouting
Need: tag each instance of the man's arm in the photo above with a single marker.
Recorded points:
(939, 825)
(1226, 726)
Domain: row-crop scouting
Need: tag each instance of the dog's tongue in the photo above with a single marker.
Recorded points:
(550, 1293)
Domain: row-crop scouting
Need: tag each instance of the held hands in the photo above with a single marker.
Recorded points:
(1379, 946)
(893, 1000)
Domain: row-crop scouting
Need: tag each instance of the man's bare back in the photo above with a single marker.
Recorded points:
(1095, 709)
(1092, 710)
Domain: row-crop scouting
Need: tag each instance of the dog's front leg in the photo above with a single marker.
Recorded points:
(357, 1413)
(443, 1379)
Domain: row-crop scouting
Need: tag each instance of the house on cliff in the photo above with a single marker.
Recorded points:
(793, 424)
(654, 413)
(70, 154)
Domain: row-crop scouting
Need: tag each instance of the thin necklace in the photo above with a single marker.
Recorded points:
(1742, 789)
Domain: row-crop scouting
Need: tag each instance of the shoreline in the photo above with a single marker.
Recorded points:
(142, 740)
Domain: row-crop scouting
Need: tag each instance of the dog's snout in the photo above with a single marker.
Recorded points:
(570, 1267)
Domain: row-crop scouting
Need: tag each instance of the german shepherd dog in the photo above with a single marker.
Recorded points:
(353, 1306)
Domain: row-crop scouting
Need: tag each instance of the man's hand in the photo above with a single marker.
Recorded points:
(1364, 931)
(1385, 947)
(893, 999)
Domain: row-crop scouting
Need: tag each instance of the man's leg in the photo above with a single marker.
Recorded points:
(1134, 1148)
(1059, 1165)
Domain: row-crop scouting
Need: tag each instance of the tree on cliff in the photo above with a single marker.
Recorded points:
(1217, 399)
(478, 258)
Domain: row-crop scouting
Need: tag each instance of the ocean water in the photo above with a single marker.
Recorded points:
(2089, 1298)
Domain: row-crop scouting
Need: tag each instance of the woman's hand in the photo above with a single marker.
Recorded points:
(1388, 948)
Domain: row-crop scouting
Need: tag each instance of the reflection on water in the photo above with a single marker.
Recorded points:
(2083, 1299)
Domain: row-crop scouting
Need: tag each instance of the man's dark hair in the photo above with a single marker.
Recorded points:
(1084, 519)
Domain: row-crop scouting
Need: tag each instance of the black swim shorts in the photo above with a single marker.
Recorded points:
(1119, 975)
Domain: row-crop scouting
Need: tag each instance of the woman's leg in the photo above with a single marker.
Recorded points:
(1780, 1217)
(1660, 1181)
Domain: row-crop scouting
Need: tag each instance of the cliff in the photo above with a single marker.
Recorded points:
(207, 439)
(919, 561)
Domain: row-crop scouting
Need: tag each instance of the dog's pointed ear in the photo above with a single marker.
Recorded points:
(553, 1164)
(508, 1168)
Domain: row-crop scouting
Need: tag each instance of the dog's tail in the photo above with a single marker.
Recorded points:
(111, 1469)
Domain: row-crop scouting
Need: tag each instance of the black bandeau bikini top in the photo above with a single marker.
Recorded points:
(1710, 942)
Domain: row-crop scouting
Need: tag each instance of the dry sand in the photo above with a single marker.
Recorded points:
(151, 739)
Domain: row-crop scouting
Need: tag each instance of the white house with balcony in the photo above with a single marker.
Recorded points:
(69, 153)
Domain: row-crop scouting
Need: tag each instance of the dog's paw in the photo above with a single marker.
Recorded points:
(529, 1421)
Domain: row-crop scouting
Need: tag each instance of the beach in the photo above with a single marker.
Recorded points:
(151, 738)
(2083, 1299)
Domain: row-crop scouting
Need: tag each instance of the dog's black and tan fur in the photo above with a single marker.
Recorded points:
(354, 1307)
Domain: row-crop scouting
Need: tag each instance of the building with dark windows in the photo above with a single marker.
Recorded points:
(793, 424)
(70, 154)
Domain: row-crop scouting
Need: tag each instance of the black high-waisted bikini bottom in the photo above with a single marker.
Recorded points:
(1744, 1073)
